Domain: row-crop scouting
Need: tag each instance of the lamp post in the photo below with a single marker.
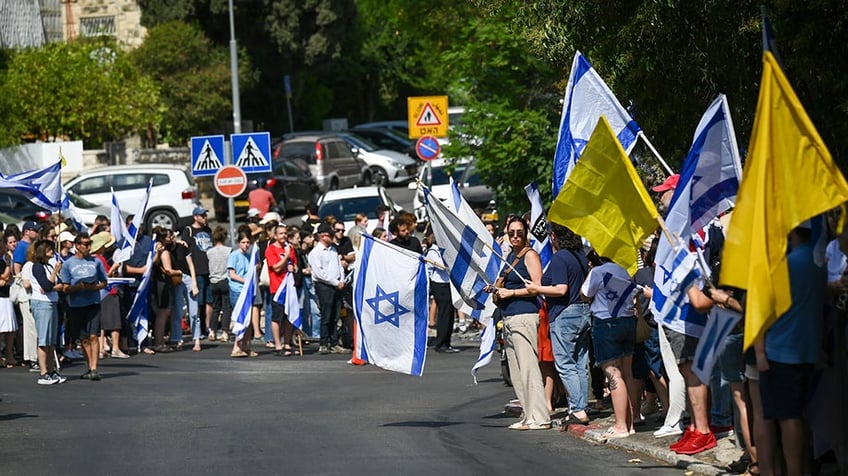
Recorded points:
(228, 157)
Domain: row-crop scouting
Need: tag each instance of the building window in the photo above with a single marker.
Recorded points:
(97, 26)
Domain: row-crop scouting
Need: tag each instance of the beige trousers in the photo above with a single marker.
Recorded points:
(522, 351)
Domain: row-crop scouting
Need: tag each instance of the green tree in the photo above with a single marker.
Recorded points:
(82, 90)
(193, 76)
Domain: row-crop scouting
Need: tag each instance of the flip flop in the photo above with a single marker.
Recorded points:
(238, 354)
(253, 354)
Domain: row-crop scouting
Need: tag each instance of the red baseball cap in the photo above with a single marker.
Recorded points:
(669, 184)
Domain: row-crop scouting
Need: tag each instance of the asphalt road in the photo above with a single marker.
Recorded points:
(193, 413)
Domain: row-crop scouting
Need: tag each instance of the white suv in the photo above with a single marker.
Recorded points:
(172, 197)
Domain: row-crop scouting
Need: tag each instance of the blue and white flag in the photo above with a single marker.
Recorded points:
(707, 187)
(540, 232)
(391, 306)
(720, 323)
(138, 316)
(118, 228)
(131, 234)
(42, 186)
(244, 304)
(286, 295)
(587, 98)
(69, 210)
(468, 251)
(460, 207)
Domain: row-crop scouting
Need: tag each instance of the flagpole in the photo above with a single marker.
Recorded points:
(654, 150)
(409, 253)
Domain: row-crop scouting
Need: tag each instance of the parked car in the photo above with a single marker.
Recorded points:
(386, 138)
(290, 181)
(331, 160)
(172, 197)
(436, 176)
(18, 208)
(400, 126)
(387, 166)
(345, 204)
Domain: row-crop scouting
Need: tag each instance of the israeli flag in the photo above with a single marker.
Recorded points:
(707, 187)
(70, 210)
(540, 232)
(286, 295)
(391, 306)
(42, 186)
(460, 207)
(587, 98)
(711, 344)
(620, 294)
(118, 228)
(131, 234)
(139, 312)
(244, 303)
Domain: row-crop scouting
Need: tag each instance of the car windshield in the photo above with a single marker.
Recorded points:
(346, 209)
(78, 201)
(360, 142)
(397, 135)
(439, 175)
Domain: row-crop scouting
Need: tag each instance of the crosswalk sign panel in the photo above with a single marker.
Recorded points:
(252, 151)
(207, 155)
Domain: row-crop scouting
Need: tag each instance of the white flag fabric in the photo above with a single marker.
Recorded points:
(460, 207)
(131, 235)
(620, 294)
(469, 259)
(139, 315)
(287, 296)
(719, 325)
(69, 210)
(42, 186)
(707, 187)
(391, 306)
(540, 232)
(243, 305)
(385, 225)
(587, 98)
(117, 226)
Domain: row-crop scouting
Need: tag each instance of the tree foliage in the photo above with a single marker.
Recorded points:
(194, 79)
(81, 90)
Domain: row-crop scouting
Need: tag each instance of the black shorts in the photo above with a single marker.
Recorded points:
(87, 318)
(785, 390)
(682, 346)
(278, 313)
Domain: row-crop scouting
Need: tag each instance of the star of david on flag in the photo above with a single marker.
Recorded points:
(391, 306)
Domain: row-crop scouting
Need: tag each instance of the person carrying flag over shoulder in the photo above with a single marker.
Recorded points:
(281, 259)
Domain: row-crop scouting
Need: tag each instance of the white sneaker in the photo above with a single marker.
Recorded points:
(666, 430)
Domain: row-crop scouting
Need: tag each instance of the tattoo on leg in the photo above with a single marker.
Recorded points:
(612, 381)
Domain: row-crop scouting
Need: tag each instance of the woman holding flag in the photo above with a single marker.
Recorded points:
(238, 266)
(521, 322)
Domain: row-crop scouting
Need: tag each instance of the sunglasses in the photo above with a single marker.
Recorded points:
(515, 233)
(339, 229)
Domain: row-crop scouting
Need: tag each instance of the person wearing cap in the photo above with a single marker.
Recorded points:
(329, 282)
(81, 278)
(30, 234)
(261, 199)
(198, 235)
(667, 189)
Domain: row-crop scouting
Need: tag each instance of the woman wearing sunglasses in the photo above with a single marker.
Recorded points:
(521, 321)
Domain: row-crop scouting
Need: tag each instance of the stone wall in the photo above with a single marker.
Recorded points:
(126, 15)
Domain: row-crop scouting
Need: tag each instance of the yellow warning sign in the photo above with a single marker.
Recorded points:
(428, 115)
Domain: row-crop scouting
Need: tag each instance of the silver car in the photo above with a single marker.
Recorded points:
(387, 166)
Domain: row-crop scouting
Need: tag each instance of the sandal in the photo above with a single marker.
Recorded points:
(253, 353)
(611, 434)
(287, 353)
(753, 470)
(148, 351)
(238, 354)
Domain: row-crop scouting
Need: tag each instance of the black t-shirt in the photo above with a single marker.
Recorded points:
(345, 246)
(200, 241)
(411, 243)
(179, 253)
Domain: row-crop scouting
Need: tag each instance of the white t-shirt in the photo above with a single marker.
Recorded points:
(836, 261)
(612, 289)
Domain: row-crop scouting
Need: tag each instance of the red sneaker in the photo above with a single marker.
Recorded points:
(697, 443)
(682, 441)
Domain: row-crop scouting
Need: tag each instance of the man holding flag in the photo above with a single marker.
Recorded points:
(281, 260)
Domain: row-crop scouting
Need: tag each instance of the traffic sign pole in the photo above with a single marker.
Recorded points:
(231, 204)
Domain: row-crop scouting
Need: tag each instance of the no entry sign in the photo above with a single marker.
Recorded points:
(230, 181)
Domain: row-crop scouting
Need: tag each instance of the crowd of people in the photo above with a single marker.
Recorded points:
(595, 320)
(580, 325)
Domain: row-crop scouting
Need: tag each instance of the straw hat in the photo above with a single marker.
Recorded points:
(101, 240)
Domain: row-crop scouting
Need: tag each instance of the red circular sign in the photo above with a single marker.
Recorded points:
(230, 181)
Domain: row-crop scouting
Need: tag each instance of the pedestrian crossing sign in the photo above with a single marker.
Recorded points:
(207, 155)
(252, 151)
(428, 116)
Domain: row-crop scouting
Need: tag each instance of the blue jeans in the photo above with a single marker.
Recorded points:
(721, 410)
(310, 306)
(46, 316)
(266, 298)
(182, 296)
(570, 333)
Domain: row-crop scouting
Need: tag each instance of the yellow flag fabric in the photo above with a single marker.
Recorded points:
(789, 177)
(604, 200)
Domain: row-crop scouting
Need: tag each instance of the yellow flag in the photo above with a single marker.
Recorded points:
(604, 200)
(789, 177)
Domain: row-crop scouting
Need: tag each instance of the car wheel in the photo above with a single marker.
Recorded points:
(163, 218)
(367, 179)
(379, 176)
